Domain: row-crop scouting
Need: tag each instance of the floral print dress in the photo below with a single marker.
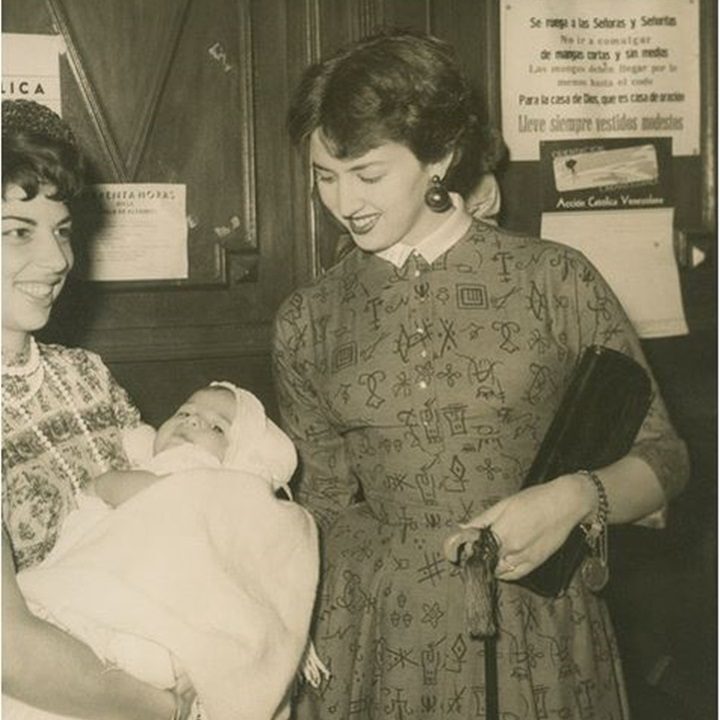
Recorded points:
(418, 396)
(37, 495)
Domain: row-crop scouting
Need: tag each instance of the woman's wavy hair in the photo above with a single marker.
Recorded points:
(396, 86)
(38, 148)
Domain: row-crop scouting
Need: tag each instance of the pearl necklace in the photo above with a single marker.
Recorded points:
(19, 406)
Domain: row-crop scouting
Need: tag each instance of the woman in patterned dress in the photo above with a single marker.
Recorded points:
(62, 417)
(417, 378)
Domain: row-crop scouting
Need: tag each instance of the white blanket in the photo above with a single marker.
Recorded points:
(206, 570)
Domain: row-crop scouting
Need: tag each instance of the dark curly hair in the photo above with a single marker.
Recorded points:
(396, 86)
(38, 148)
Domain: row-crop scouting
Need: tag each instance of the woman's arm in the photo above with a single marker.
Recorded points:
(326, 485)
(534, 522)
(48, 669)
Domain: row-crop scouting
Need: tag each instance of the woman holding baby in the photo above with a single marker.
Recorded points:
(93, 603)
(62, 418)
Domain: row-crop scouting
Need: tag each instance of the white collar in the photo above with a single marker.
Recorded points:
(437, 242)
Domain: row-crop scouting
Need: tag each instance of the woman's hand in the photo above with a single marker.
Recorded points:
(117, 486)
(184, 696)
(535, 522)
(184, 705)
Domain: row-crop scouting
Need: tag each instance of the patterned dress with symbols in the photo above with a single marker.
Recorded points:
(417, 396)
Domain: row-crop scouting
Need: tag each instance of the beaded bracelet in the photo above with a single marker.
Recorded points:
(594, 569)
(593, 529)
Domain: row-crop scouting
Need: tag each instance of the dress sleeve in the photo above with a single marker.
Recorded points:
(585, 311)
(326, 485)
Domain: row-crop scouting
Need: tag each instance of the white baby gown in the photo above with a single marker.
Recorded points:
(205, 573)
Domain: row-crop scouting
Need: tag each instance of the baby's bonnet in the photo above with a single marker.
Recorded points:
(256, 443)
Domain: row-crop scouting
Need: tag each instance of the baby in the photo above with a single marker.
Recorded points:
(189, 567)
(218, 426)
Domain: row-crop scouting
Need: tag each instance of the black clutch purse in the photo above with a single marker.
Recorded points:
(596, 424)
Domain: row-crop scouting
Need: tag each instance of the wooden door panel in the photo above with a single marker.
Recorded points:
(173, 104)
(164, 92)
(125, 77)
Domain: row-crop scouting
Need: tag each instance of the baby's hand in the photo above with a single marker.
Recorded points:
(117, 486)
(91, 488)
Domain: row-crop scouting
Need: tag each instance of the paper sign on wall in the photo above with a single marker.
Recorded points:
(31, 68)
(143, 233)
(633, 249)
(600, 68)
(612, 200)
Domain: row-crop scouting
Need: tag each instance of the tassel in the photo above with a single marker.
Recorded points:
(314, 670)
(478, 559)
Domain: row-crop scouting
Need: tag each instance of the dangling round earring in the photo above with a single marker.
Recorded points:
(437, 197)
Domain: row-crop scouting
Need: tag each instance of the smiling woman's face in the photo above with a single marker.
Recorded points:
(380, 196)
(36, 258)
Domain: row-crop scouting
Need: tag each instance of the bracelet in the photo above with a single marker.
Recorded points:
(594, 529)
(594, 569)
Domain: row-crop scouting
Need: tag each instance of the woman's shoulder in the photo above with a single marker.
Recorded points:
(523, 245)
(329, 282)
(68, 359)
(63, 353)
(84, 371)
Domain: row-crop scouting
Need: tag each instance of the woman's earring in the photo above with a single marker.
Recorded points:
(437, 197)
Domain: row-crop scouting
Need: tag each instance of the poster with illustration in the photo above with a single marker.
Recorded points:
(606, 174)
(612, 200)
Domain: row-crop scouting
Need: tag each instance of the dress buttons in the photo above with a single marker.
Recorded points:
(420, 331)
(423, 354)
(422, 384)
(416, 273)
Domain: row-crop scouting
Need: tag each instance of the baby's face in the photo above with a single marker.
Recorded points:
(203, 420)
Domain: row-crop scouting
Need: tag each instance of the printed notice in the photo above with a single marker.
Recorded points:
(31, 68)
(143, 235)
(575, 69)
